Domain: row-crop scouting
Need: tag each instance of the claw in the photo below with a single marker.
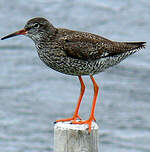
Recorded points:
(73, 119)
(89, 122)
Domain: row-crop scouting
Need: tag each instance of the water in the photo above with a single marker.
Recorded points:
(32, 96)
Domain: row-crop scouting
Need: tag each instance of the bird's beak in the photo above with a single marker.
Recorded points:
(21, 32)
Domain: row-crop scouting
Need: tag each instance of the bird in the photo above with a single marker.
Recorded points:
(76, 53)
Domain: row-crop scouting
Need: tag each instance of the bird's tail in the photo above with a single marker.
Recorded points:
(134, 45)
(122, 47)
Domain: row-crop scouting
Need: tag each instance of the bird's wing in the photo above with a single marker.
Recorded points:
(87, 46)
(84, 46)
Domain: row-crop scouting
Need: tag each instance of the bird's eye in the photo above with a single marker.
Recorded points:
(36, 25)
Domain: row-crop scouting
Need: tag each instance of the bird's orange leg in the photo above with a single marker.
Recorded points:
(76, 115)
(91, 118)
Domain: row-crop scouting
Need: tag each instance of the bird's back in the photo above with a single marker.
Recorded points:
(87, 46)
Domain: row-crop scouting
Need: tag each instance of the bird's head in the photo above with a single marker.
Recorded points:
(37, 28)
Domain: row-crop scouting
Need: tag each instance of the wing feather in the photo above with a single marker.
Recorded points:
(87, 46)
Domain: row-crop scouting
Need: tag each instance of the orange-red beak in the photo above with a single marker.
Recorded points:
(21, 32)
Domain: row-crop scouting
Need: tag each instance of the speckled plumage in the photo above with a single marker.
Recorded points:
(73, 52)
(77, 53)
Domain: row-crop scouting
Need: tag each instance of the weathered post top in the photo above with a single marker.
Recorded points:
(75, 138)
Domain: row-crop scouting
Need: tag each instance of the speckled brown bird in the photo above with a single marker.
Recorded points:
(76, 53)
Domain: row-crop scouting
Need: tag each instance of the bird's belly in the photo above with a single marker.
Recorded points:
(78, 67)
(68, 65)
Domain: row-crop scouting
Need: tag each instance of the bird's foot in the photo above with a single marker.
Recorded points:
(73, 119)
(89, 122)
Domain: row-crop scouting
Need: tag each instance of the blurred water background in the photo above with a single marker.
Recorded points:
(32, 96)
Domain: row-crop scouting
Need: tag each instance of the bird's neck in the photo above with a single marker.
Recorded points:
(44, 37)
(44, 42)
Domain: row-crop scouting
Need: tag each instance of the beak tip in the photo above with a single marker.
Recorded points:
(21, 32)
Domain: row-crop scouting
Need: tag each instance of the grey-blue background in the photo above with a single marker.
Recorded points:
(32, 96)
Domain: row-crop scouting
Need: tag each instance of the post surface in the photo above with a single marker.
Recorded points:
(75, 138)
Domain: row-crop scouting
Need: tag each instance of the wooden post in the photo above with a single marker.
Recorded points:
(75, 138)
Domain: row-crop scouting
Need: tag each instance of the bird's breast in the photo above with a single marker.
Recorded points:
(59, 61)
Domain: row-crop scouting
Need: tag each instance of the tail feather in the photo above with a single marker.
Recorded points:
(123, 47)
(135, 45)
